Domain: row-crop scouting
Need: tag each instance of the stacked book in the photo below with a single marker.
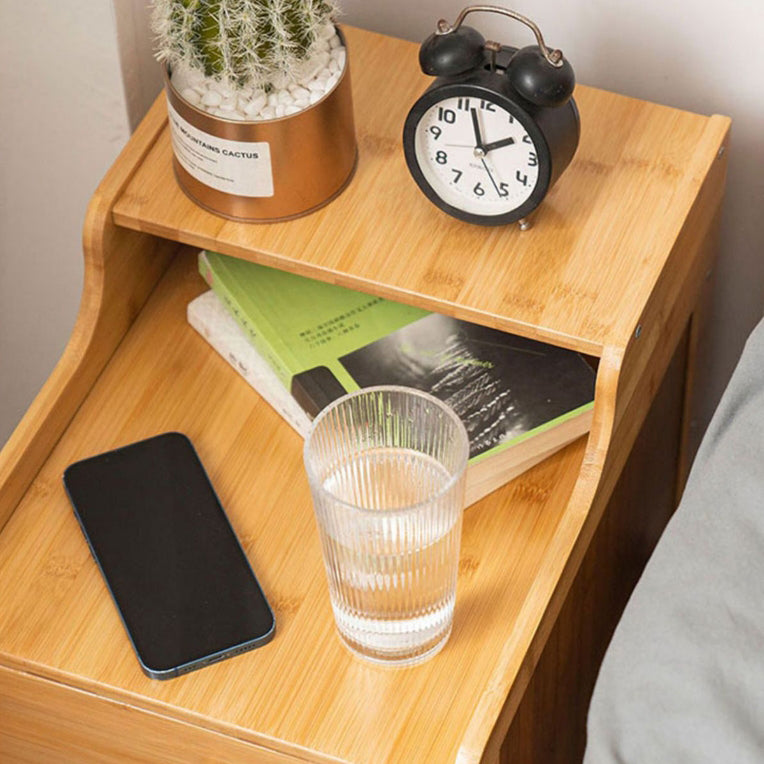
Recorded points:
(302, 343)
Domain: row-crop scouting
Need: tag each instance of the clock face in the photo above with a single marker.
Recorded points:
(476, 155)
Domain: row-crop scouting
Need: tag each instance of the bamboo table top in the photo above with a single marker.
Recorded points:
(303, 689)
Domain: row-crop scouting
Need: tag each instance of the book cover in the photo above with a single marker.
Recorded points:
(297, 323)
(520, 399)
(504, 388)
(210, 318)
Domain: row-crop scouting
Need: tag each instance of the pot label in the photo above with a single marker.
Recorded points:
(242, 168)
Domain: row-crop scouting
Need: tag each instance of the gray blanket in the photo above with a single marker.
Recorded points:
(683, 678)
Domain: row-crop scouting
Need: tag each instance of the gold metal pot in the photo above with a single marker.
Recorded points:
(267, 170)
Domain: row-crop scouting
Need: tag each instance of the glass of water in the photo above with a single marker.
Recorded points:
(386, 467)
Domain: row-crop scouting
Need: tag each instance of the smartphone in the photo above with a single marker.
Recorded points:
(174, 567)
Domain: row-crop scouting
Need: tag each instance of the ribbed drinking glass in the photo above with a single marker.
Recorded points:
(386, 467)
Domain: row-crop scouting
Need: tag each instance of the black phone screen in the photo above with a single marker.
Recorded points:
(176, 571)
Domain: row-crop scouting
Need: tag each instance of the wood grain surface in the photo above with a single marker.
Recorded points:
(304, 688)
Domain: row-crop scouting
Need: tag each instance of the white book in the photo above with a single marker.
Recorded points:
(208, 316)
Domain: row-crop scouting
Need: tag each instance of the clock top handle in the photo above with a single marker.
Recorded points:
(553, 56)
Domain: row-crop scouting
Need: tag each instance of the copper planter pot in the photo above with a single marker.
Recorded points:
(267, 170)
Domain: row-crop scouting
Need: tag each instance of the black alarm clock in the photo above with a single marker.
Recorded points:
(491, 135)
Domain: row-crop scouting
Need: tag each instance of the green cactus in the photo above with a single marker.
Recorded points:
(245, 42)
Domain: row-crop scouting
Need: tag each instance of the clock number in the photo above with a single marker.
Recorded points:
(521, 178)
(478, 190)
(463, 104)
(458, 173)
(527, 139)
(436, 131)
(503, 189)
(488, 106)
(532, 160)
(446, 115)
(441, 157)
(511, 119)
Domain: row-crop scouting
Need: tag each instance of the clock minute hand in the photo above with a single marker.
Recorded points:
(476, 128)
(498, 144)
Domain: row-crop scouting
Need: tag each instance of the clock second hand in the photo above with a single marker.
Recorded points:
(490, 175)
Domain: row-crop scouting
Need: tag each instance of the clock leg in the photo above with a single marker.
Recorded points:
(524, 224)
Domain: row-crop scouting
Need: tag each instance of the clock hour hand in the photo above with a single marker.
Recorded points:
(476, 128)
(498, 144)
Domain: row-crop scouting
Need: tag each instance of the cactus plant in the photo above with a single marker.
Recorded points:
(246, 43)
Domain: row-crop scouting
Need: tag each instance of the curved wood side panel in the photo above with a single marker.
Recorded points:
(627, 380)
(676, 294)
(521, 653)
(121, 269)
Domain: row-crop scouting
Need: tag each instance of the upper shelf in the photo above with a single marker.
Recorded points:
(579, 277)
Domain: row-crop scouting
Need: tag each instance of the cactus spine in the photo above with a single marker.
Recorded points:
(244, 42)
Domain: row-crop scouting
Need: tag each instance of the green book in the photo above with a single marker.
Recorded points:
(520, 400)
(297, 323)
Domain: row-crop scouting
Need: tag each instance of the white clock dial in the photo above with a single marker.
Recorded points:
(476, 156)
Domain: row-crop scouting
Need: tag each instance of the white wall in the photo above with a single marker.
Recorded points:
(65, 117)
(63, 122)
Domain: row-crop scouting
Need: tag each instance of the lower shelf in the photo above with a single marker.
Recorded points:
(303, 691)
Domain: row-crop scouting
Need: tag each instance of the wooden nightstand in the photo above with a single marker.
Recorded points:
(614, 266)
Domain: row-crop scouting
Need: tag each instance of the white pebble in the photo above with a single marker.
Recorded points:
(326, 31)
(335, 42)
(196, 76)
(339, 56)
(255, 105)
(191, 96)
(316, 77)
(281, 81)
(310, 68)
(179, 82)
(185, 77)
(212, 98)
(222, 88)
